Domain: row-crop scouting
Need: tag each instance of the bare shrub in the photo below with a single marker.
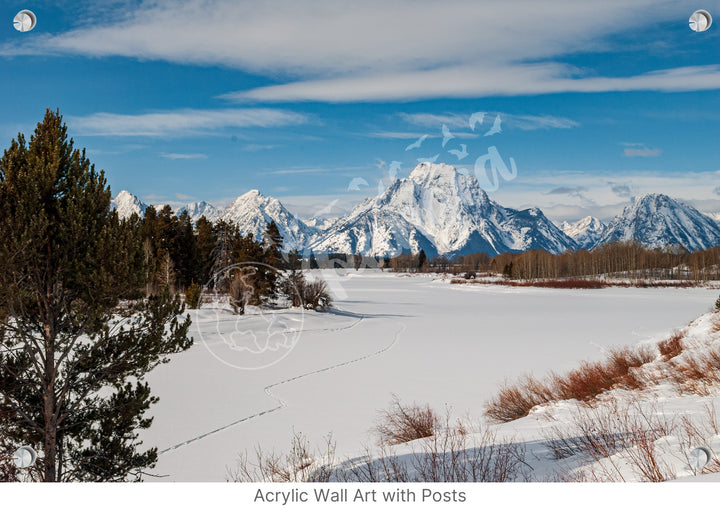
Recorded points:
(316, 295)
(585, 383)
(672, 346)
(297, 465)
(593, 378)
(615, 439)
(400, 424)
(513, 402)
(451, 454)
(700, 371)
(241, 291)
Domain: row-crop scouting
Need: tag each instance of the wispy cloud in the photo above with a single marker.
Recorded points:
(179, 156)
(604, 193)
(534, 122)
(566, 190)
(299, 170)
(481, 80)
(577, 192)
(452, 120)
(640, 150)
(621, 189)
(258, 147)
(295, 40)
(399, 135)
(180, 123)
(509, 121)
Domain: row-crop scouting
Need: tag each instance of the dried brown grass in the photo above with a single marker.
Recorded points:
(620, 370)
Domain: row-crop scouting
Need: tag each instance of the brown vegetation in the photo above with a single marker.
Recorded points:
(576, 283)
(625, 260)
(400, 424)
(590, 379)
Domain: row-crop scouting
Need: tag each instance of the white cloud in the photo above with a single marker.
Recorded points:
(509, 121)
(479, 81)
(379, 49)
(604, 193)
(180, 123)
(180, 156)
(640, 150)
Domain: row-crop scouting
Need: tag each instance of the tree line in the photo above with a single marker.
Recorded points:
(616, 259)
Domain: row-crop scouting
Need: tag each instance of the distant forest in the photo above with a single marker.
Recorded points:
(179, 254)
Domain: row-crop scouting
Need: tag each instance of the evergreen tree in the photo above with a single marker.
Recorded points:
(186, 253)
(225, 237)
(273, 246)
(205, 244)
(76, 341)
(422, 259)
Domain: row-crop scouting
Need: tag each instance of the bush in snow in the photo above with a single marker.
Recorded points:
(400, 424)
(316, 295)
(192, 296)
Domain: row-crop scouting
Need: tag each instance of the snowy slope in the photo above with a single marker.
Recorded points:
(199, 209)
(586, 232)
(656, 221)
(126, 204)
(320, 223)
(434, 342)
(442, 212)
(252, 211)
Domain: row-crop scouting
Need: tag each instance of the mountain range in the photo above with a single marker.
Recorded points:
(445, 212)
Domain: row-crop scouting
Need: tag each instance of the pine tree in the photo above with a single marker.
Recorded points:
(76, 340)
(225, 237)
(422, 259)
(273, 245)
(205, 244)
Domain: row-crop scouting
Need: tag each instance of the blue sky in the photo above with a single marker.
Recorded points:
(193, 100)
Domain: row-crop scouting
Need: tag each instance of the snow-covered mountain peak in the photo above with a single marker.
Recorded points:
(252, 211)
(440, 211)
(127, 204)
(657, 221)
(427, 172)
(585, 232)
(200, 209)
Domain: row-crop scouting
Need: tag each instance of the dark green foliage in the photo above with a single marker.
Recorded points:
(508, 270)
(422, 259)
(76, 339)
(205, 244)
(717, 304)
(192, 296)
